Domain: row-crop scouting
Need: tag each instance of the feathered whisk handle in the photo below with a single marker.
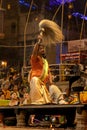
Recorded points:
(40, 36)
(39, 42)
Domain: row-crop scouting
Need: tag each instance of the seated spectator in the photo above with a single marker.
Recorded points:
(22, 91)
(14, 99)
(76, 69)
(15, 89)
(55, 92)
(67, 72)
(5, 90)
(2, 96)
(4, 80)
(11, 83)
(26, 99)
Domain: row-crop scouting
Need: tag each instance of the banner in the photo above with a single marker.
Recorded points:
(77, 45)
(70, 56)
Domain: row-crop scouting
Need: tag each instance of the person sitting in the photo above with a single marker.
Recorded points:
(5, 90)
(26, 99)
(55, 92)
(14, 99)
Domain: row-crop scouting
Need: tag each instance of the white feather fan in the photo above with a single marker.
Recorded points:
(51, 32)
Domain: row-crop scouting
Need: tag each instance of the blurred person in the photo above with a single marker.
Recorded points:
(16, 90)
(5, 81)
(26, 98)
(49, 33)
(67, 73)
(22, 91)
(55, 92)
(11, 83)
(5, 90)
(38, 76)
(2, 96)
(14, 99)
(85, 70)
(76, 69)
(5, 78)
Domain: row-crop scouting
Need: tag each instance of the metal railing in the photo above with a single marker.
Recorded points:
(57, 70)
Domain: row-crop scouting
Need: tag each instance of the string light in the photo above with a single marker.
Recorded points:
(58, 2)
(70, 6)
(79, 15)
(27, 4)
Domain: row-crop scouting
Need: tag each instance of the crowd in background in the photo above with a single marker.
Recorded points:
(13, 86)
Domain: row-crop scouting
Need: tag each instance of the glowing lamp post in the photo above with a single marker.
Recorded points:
(4, 64)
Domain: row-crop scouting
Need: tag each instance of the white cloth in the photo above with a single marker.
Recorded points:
(55, 93)
(38, 92)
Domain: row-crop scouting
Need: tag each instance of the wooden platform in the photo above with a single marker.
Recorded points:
(15, 128)
(45, 109)
(27, 128)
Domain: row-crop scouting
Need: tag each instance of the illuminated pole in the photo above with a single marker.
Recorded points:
(62, 30)
(82, 26)
(83, 22)
(61, 42)
(24, 64)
